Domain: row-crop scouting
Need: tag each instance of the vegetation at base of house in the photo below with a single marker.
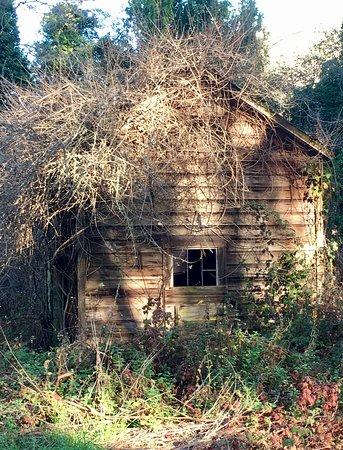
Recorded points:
(267, 391)
(272, 386)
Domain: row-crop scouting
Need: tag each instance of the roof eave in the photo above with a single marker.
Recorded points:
(302, 137)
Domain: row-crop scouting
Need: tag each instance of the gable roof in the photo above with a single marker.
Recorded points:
(313, 147)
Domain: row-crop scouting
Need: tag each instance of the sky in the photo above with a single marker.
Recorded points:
(293, 25)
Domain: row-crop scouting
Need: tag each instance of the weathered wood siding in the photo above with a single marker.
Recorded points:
(277, 215)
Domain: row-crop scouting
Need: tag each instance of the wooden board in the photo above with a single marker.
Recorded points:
(121, 278)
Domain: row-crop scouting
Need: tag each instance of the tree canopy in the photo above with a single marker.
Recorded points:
(318, 85)
(13, 63)
(318, 106)
(180, 16)
(68, 34)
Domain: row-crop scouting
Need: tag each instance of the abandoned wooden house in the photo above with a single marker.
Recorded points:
(205, 239)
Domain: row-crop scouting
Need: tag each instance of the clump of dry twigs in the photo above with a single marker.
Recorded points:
(117, 140)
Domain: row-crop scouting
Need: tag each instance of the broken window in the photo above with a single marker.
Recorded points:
(195, 267)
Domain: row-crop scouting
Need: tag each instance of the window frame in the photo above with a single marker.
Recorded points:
(202, 270)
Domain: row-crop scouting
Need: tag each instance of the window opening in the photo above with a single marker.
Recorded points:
(195, 267)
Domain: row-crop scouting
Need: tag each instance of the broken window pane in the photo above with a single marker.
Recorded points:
(180, 268)
(210, 278)
(195, 267)
(209, 259)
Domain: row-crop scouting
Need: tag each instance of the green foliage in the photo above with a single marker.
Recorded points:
(318, 108)
(248, 22)
(13, 63)
(69, 33)
(320, 94)
(44, 441)
(150, 17)
(196, 371)
(285, 294)
(32, 362)
(287, 334)
(336, 204)
(312, 98)
(181, 18)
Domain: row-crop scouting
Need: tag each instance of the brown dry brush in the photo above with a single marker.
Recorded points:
(110, 137)
(116, 141)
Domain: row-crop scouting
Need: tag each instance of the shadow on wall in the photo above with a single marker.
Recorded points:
(126, 266)
(197, 202)
(120, 281)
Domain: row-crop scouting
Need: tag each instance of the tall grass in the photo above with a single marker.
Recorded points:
(193, 385)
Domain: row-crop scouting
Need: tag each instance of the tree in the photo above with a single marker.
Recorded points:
(13, 63)
(197, 15)
(319, 107)
(249, 25)
(182, 17)
(69, 33)
(185, 17)
(316, 80)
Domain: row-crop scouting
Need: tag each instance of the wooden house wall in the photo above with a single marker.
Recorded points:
(117, 277)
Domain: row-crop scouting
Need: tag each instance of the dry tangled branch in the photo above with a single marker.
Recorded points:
(118, 140)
